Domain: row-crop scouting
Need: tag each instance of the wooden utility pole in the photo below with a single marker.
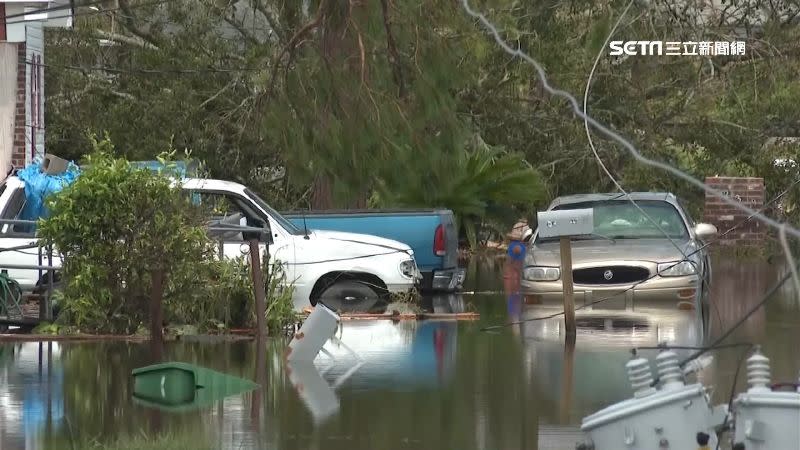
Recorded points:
(156, 309)
(568, 377)
(566, 280)
(564, 224)
(258, 289)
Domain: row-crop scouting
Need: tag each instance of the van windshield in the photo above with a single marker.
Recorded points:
(282, 221)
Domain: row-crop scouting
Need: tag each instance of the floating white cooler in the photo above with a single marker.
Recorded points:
(674, 416)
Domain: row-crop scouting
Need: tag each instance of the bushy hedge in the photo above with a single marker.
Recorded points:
(117, 226)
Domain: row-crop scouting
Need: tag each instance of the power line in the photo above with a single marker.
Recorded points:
(81, 14)
(633, 286)
(160, 71)
(748, 218)
(637, 155)
(53, 8)
(597, 155)
(739, 322)
(621, 140)
(787, 252)
(733, 390)
(585, 305)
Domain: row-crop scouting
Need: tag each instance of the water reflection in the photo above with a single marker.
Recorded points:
(318, 396)
(427, 384)
(31, 382)
(400, 356)
(591, 374)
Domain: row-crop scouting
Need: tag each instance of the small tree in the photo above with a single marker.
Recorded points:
(122, 232)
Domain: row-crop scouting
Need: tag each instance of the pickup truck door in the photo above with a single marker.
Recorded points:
(225, 208)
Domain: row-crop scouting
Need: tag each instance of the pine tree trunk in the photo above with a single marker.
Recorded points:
(321, 193)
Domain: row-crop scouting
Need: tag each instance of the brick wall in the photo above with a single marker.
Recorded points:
(748, 191)
(18, 152)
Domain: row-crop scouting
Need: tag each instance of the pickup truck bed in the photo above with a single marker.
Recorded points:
(431, 233)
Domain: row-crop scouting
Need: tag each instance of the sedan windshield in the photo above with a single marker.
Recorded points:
(619, 219)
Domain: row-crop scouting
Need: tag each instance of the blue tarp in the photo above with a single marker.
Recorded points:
(177, 168)
(38, 185)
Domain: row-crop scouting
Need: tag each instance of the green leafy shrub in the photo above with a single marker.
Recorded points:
(212, 295)
(218, 294)
(117, 227)
(280, 308)
(487, 188)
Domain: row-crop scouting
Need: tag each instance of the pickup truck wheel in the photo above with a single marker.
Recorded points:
(349, 296)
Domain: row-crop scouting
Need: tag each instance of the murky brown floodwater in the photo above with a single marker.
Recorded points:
(426, 385)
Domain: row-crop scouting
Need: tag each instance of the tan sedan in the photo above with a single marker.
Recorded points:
(632, 261)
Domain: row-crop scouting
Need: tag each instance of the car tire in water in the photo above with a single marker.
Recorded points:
(349, 296)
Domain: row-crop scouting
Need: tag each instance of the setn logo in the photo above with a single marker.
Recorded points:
(636, 48)
(690, 48)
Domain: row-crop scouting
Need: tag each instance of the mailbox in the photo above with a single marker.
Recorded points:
(566, 222)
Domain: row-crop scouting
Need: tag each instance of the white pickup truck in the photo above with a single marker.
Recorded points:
(346, 270)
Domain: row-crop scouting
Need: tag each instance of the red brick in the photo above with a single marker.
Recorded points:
(745, 191)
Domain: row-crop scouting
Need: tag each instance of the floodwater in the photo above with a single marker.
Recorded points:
(423, 385)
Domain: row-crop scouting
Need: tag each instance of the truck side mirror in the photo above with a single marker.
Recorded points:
(264, 235)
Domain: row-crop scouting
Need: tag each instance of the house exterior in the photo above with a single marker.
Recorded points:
(22, 106)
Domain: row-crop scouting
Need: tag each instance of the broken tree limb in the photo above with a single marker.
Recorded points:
(131, 40)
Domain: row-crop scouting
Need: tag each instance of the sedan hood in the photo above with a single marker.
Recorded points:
(363, 239)
(598, 250)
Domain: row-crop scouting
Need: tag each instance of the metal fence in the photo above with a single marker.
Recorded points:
(46, 253)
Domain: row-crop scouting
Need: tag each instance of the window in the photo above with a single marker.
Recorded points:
(222, 210)
(282, 221)
(686, 212)
(619, 219)
(16, 204)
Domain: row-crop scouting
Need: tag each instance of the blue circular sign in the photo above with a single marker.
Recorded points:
(516, 251)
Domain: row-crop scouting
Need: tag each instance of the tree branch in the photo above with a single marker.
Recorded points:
(252, 40)
(391, 47)
(129, 22)
(215, 96)
(273, 24)
(288, 49)
(132, 40)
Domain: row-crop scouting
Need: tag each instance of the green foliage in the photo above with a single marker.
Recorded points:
(280, 308)
(50, 328)
(365, 96)
(116, 227)
(212, 294)
(484, 186)
(218, 294)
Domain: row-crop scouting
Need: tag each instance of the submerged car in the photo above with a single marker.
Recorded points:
(632, 261)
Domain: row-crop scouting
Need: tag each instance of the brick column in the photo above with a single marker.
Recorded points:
(18, 152)
(747, 191)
